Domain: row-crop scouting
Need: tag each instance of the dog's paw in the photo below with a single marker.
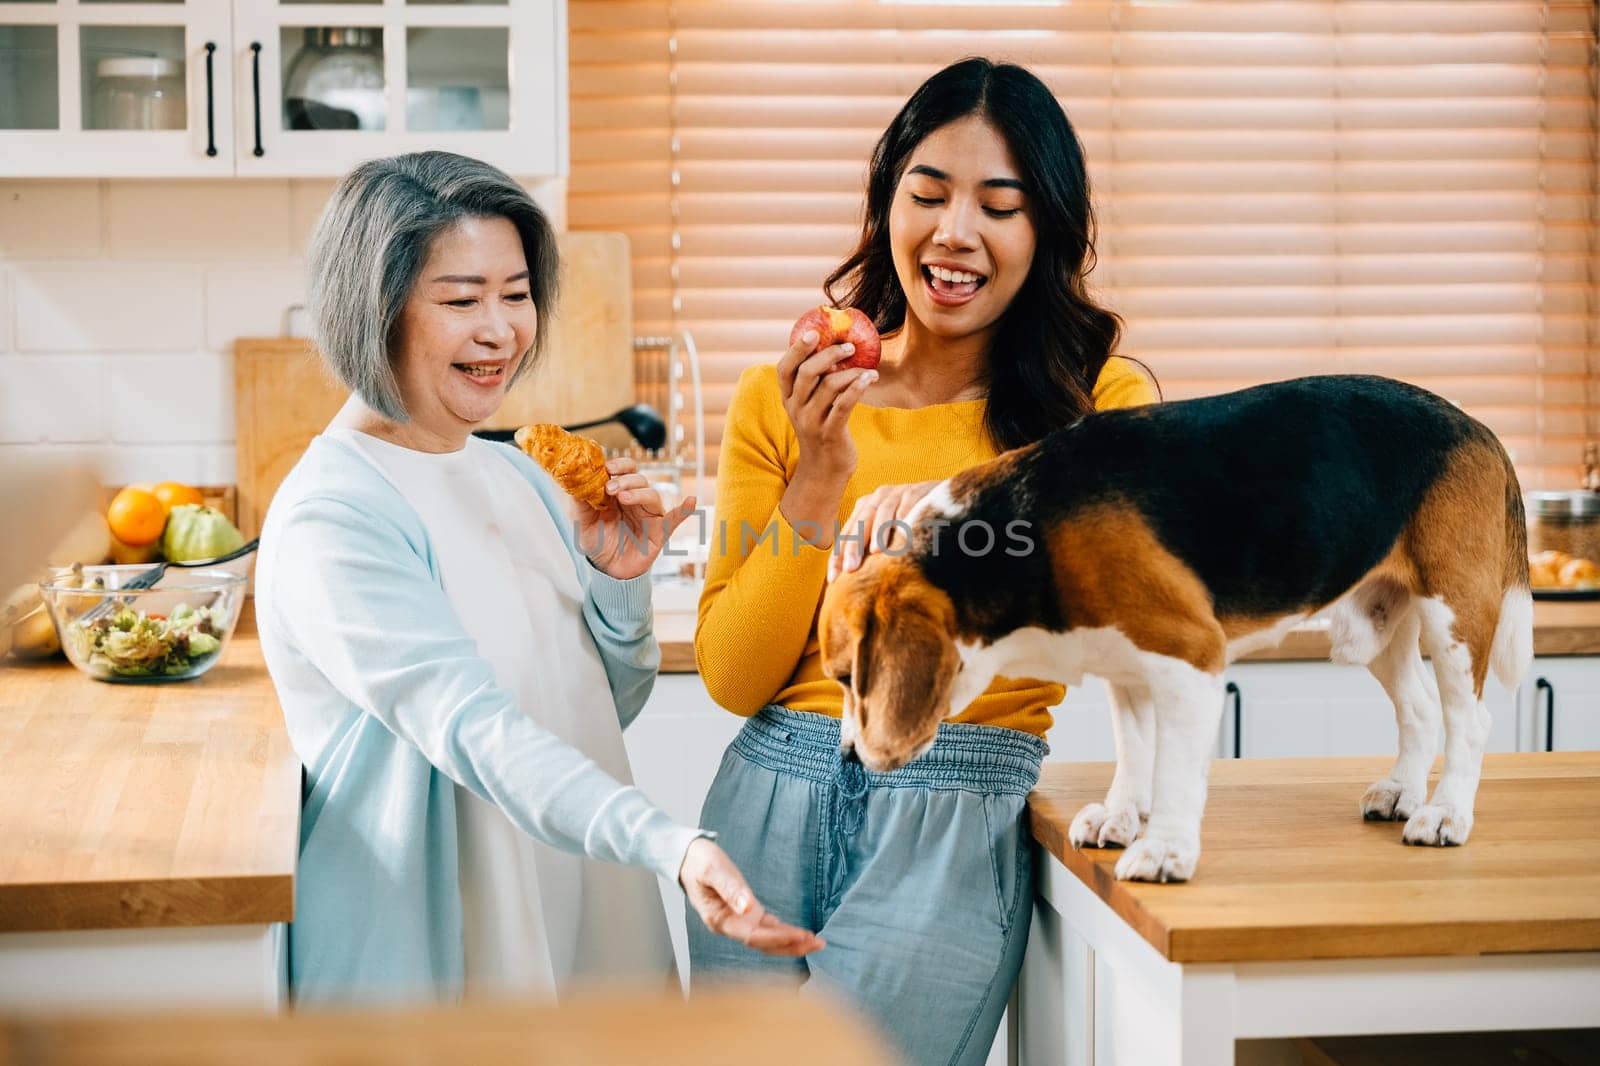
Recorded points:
(1389, 801)
(1441, 825)
(1155, 859)
(1121, 827)
(1099, 826)
(1085, 827)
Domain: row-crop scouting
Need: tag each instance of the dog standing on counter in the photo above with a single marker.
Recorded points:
(1152, 546)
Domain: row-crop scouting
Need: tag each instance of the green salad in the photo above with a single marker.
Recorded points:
(129, 643)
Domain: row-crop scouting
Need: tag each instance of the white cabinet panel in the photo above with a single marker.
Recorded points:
(1314, 708)
(1082, 729)
(676, 744)
(228, 967)
(1571, 689)
(675, 747)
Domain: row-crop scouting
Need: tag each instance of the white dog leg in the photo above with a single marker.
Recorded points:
(1447, 817)
(1187, 705)
(1118, 821)
(1400, 671)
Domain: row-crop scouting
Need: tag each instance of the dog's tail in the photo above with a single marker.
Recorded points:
(1511, 653)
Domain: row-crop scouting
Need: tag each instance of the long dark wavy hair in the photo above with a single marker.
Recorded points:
(1053, 340)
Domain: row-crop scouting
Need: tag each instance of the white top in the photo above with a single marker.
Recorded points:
(534, 917)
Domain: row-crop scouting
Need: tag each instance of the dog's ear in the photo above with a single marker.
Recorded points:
(914, 664)
(846, 612)
(861, 661)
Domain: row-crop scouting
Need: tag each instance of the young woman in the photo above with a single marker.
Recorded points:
(977, 238)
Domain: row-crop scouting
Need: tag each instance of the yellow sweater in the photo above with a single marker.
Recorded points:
(756, 639)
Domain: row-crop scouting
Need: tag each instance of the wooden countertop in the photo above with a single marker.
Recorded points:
(1288, 869)
(146, 805)
(1559, 628)
(612, 1028)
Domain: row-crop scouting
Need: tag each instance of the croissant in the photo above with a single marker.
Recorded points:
(577, 463)
(1544, 569)
(1580, 573)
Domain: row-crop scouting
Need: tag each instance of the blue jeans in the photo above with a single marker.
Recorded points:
(920, 880)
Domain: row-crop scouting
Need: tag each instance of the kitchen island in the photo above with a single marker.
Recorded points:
(1305, 920)
(150, 835)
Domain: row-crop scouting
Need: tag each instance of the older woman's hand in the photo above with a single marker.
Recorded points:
(718, 893)
(625, 537)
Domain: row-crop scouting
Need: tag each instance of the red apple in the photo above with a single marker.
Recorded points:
(838, 326)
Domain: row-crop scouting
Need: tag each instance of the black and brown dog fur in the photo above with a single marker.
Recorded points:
(1168, 540)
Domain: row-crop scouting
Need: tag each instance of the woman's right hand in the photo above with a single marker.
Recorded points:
(819, 405)
(718, 893)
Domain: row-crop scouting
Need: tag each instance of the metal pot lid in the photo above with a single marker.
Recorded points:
(344, 36)
(1573, 506)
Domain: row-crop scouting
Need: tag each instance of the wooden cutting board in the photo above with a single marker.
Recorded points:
(283, 396)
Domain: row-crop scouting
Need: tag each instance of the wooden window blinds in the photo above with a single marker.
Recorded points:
(1283, 188)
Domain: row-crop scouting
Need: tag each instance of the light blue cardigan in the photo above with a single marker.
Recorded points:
(387, 703)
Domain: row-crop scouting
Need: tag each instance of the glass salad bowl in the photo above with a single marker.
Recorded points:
(172, 632)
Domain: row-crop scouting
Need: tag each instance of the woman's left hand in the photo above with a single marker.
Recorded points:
(624, 537)
(869, 520)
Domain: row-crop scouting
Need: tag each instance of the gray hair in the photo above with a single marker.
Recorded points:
(372, 240)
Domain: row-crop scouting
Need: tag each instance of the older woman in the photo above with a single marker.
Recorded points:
(457, 645)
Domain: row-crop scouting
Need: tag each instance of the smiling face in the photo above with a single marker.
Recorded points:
(467, 326)
(961, 229)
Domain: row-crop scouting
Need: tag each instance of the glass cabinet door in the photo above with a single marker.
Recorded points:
(105, 88)
(324, 86)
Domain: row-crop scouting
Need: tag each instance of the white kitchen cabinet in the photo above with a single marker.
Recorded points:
(1561, 703)
(1082, 728)
(487, 80)
(278, 88)
(1324, 708)
(1278, 709)
(675, 747)
(51, 57)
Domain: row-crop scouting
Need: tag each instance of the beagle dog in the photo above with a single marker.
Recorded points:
(1152, 546)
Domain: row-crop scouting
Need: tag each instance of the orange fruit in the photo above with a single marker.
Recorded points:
(171, 493)
(136, 517)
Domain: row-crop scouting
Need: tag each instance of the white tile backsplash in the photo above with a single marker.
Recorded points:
(5, 310)
(50, 220)
(106, 307)
(51, 398)
(121, 464)
(306, 198)
(120, 302)
(155, 399)
(250, 301)
(238, 220)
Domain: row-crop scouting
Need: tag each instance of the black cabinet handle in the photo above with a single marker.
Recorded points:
(211, 103)
(1549, 690)
(1233, 693)
(255, 80)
